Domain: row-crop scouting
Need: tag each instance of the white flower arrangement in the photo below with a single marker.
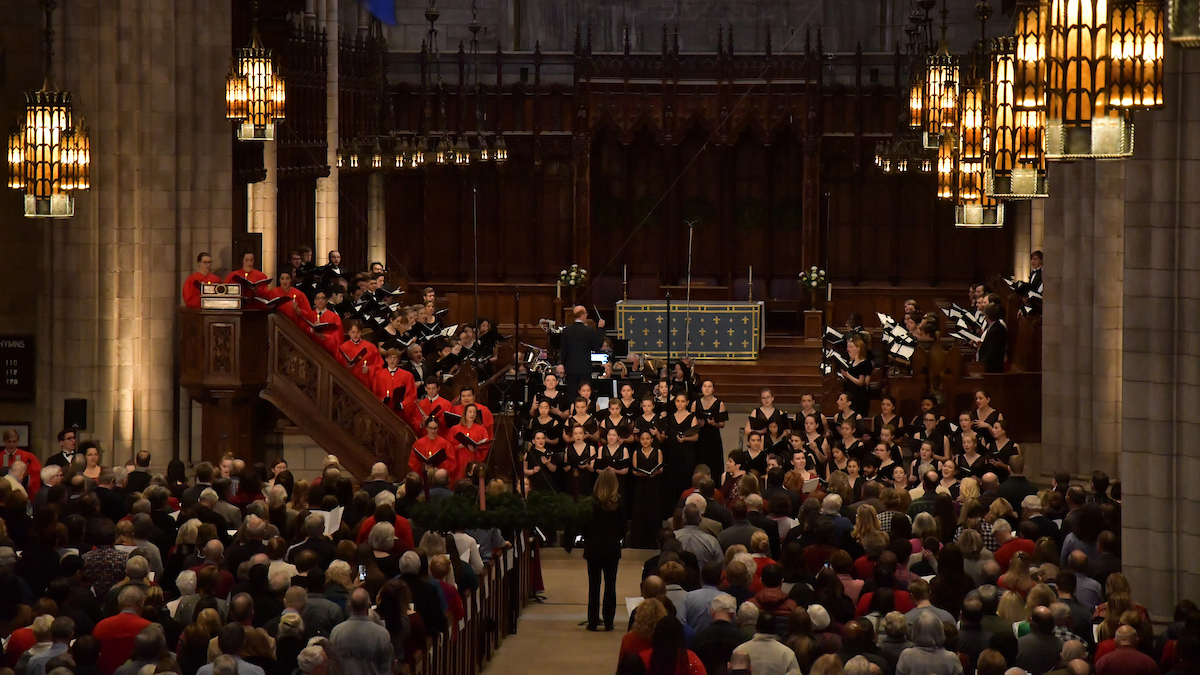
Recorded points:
(573, 276)
(813, 279)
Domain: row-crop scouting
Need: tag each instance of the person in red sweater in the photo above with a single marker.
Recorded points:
(358, 355)
(116, 633)
(392, 377)
(1010, 545)
(465, 453)
(1126, 659)
(385, 512)
(424, 457)
(202, 275)
(248, 273)
(328, 324)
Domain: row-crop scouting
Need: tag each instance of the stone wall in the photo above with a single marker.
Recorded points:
(149, 75)
(1160, 457)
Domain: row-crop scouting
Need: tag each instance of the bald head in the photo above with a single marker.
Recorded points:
(579, 312)
(653, 586)
(1078, 561)
(214, 549)
(990, 482)
(1126, 636)
(1079, 667)
(1042, 620)
(379, 471)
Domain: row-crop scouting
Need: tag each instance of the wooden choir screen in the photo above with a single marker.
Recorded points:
(352, 219)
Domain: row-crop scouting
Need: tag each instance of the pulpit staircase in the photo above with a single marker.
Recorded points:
(231, 357)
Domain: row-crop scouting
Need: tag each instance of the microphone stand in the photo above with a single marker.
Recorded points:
(687, 321)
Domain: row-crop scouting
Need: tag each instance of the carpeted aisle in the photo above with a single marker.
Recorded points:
(548, 638)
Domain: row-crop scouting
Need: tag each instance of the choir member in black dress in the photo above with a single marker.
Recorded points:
(956, 434)
(847, 442)
(761, 416)
(756, 456)
(662, 398)
(735, 468)
(539, 466)
(931, 434)
(616, 420)
(973, 459)
(887, 437)
(581, 417)
(681, 381)
(1003, 450)
(845, 412)
(548, 424)
(650, 497)
(923, 462)
(629, 405)
(858, 376)
(899, 477)
(984, 416)
(928, 405)
(585, 392)
(855, 478)
(711, 413)
(883, 457)
(580, 460)
(950, 477)
(814, 442)
(392, 335)
(808, 407)
(802, 459)
(615, 455)
(560, 403)
(838, 461)
(887, 415)
(649, 420)
(680, 448)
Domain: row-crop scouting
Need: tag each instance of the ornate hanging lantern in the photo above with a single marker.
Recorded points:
(1135, 54)
(49, 152)
(945, 166)
(500, 152)
(940, 98)
(1016, 160)
(254, 92)
(972, 206)
(1185, 23)
(1080, 122)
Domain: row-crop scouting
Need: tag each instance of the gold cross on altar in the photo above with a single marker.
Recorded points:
(674, 331)
(717, 344)
(660, 319)
(745, 344)
(717, 320)
(645, 331)
(745, 319)
(702, 332)
(660, 343)
(730, 331)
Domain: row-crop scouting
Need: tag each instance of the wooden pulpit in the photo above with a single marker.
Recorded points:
(223, 364)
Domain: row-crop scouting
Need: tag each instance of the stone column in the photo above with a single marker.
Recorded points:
(327, 188)
(1160, 457)
(376, 219)
(262, 205)
(1081, 355)
(150, 74)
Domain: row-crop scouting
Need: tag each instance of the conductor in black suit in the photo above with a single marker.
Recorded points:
(995, 340)
(578, 344)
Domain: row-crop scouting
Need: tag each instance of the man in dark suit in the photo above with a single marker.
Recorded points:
(139, 478)
(578, 344)
(995, 340)
(204, 472)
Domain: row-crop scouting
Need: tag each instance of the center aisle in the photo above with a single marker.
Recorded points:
(549, 640)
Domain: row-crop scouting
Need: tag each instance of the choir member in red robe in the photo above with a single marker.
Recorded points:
(433, 405)
(328, 325)
(248, 273)
(424, 459)
(471, 429)
(297, 307)
(466, 397)
(202, 275)
(362, 367)
(392, 377)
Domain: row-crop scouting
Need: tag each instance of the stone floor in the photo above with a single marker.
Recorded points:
(549, 638)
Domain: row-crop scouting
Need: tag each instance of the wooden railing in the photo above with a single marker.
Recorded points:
(329, 405)
(491, 615)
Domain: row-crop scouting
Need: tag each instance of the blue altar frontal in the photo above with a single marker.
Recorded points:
(718, 330)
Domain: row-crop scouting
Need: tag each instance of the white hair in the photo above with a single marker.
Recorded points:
(277, 495)
(382, 537)
(754, 502)
(1001, 526)
(186, 582)
(747, 614)
(311, 658)
(724, 602)
(831, 504)
(49, 472)
(696, 499)
(858, 665)
(208, 495)
(385, 497)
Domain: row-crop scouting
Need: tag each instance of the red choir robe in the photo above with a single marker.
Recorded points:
(388, 381)
(253, 275)
(329, 338)
(366, 367)
(424, 448)
(297, 312)
(191, 287)
(33, 468)
(485, 417)
(435, 406)
(465, 454)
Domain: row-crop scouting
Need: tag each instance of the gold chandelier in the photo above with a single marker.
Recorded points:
(254, 92)
(1016, 167)
(1103, 60)
(49, 152)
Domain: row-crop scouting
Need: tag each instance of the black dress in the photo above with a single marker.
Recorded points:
(855, 450)
(633, 409)
(860, 399)
(680, 455)
(977, 468)
(552, 429)
(985, 435)
(590, 427)
(654, 426)
(760, 422)
(758, 464)
(560, 401)
(878, 424)
(543, 480)
(1004, 453)
(709, 449)
(855, 418)
(579, 478)
(624, 428)
(649, 502)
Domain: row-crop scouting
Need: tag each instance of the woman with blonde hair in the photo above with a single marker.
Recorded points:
(645, 619)
(828, 664)
(1018, 577)
(970, 543)
(299, 496)
(866, 521)
(1118, 603)
(602, 548)
(1012, 608)
(968, 489)
(999, 509)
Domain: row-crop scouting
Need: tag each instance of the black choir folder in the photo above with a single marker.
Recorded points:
(651, 471)
(358, 357)
(452, 419)
(396, 398)
(435, 459)
(467, 441)
(271, 303)
(250, 285)
(713, 415)
(321, 325)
